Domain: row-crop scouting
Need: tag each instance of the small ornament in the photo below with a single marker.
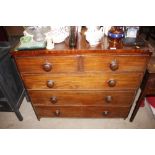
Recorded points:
(50, 44)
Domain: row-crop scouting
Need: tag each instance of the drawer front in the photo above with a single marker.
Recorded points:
(49, 64)
(117, 63)
(74, 98)
(82, 111)
(83, 81)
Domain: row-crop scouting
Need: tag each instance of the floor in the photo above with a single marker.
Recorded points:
(8, 120)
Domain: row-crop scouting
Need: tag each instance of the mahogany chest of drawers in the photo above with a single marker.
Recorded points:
(83, 82)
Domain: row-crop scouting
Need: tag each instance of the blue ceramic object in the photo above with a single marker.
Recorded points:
(115, 35)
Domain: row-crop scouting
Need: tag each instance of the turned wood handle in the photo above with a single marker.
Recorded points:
(57, 112)
(114, 65)
(105, 113)
(53, 99)
(47, 66)
(50, 83)
(112, 83)
(108, 99)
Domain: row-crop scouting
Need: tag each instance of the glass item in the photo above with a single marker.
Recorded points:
(38, 35)
(58, 34)
(131, 31)
(30, 29)
(73, 36)
(115, 34)
(45, 29)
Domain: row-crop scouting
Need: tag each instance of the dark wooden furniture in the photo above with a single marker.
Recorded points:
(3, 34)
(82, 82)
(11, 87)
(13, 31)
(147, 86)
(149, 32)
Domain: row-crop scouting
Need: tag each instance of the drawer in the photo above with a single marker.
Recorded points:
(114, 63)
(74, 98)
(83, 81)
(49, 64)
(81, 111)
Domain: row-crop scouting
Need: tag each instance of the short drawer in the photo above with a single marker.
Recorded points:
(82, 111)
(55, 64)
(114, 63)
(83, 81)
(74, 98)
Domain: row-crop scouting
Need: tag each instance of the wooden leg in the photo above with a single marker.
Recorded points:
(19, 116)
(137, 107)
(142, 95)
(38, 118)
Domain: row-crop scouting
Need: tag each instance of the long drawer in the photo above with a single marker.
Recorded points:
(74, 98)
(81, 111)
(57, 64)
(82, 81)
(114, 63)
(62, 64)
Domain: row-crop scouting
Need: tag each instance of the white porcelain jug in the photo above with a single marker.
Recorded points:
(94, 35)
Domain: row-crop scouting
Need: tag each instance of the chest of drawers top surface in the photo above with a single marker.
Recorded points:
(84, 48)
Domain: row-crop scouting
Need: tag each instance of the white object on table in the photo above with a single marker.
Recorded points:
(94, 35)
(50, 43)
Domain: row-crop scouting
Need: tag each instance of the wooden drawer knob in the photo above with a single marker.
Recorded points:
(112, 83)
(53, 99)
(114, 65)
(50, 83)
(57, 112)
(47, 66)
(108, 99)
(105, 113)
